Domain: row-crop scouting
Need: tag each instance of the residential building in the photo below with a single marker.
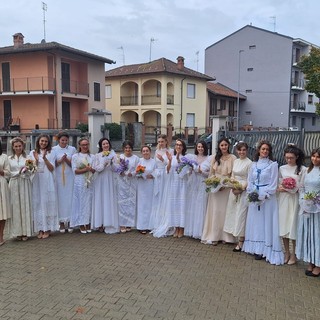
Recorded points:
(263, 66)
(158, 94)
(48, 85)
(222, 102)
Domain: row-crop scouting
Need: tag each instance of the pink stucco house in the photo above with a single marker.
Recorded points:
(48, 85)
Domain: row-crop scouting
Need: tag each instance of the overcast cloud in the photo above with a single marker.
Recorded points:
(179, 27)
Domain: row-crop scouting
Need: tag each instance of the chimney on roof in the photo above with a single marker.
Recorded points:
(180, 62)
(18, 40)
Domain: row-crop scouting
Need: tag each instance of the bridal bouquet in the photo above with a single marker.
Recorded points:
(140, 171)
(123, 166)
(185, 166)
(213, 184)
(29, 166)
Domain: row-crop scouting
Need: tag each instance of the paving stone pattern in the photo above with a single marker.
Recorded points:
(133, 276)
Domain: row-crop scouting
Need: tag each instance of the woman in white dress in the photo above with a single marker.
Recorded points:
(81, 164)
(199, 198)
(308, 240)
(44, 198)
(160, 179)
(237, 206)
(104, 202)
(64, 179)
(221, 167)
(177, 204)
(127, 188)
(289, 200)
(145, 182)
(5, 212)
(21, 192)
(262, 227)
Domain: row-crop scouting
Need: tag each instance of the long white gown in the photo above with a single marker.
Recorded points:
(104, 200)
(289, 203)
(177, 196)
(160, 180)
(5, 208)
(308, 238)
(21, 199)
(237, 206)
(82, 191)
(199, 198)
(127, 193)
(44, 197)
(262, 227)
(145, 195)
(64, 177)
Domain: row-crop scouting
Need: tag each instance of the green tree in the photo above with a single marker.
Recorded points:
(310, 65)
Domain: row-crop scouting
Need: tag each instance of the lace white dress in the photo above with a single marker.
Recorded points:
(127, 193)
(198, 198)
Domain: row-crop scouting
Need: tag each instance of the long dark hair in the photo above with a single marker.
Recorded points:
(184, 148)
(49, 146)
(260, 144)
(219, 153)
(100, 144)
(205, 148)
(298, 153)
(314, 151)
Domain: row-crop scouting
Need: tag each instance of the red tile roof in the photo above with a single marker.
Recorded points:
(47, 46)
(220, 90)
(161, 65)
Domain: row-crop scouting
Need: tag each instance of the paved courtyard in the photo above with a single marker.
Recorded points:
(132, 276)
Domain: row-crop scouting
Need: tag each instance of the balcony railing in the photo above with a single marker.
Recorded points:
(34, 84)
(74, 87)
(298, 106)
(298, 83)
(129, 100)
(170, 99)
(150, 100)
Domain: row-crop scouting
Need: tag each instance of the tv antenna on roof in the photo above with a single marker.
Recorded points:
(152, 40)
(274, 18)
(44, 9)
(123, 56)
(197, 54)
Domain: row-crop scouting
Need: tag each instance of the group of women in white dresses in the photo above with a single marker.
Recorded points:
(166, 194)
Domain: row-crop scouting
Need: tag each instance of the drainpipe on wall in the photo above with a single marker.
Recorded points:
(181, 103)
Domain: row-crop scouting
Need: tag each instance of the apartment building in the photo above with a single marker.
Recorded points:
(263, 66)
(48, 85)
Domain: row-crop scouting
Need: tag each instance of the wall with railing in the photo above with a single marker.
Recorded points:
(307, 141)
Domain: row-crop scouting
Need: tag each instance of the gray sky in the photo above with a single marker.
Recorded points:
(179, 27)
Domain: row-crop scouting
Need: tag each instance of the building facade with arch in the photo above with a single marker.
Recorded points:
(158, 94)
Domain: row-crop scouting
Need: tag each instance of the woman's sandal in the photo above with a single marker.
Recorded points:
(238, 248)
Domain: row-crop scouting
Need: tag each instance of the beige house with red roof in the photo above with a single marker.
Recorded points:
(48, 85)
(222, 102)
(158, 93)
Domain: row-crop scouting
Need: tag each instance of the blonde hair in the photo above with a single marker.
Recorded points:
(15, 140)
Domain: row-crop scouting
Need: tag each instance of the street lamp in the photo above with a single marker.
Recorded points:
(238, 93)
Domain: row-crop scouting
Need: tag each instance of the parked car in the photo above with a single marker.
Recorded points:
(207, 138)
